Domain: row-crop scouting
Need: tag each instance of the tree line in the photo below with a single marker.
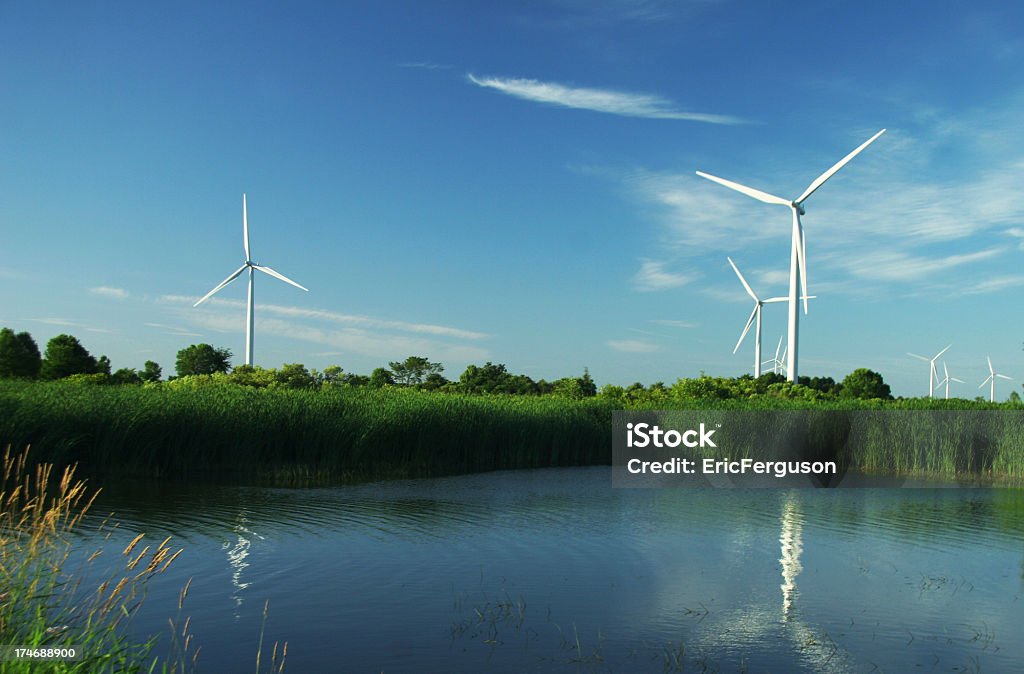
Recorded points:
(66, 358)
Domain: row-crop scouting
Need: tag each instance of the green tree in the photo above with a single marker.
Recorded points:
(103, 365)
(151, 371)
(293, 375)
(381, 377)
(491, 378)
(332, 375)
(202, 359)
(865, 384)
(414, 370)
(125, 375)
(19, 355)
(66, 356)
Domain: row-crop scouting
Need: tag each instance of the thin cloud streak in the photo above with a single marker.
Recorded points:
(107, 291)
(653, 277)
(350, 340)
(350, 319)
(649, 106)
(632, 346)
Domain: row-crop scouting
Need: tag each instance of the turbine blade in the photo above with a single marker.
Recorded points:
(985, 382)
(221, 285)
(941, 352)
(990, 368)
(1003, 376)
(746, 328)
(749, 191)
(959, 380)
(746, 285)
(777, 349)
(820, 180)
(927, 360)
(245, 228)
(268, 270)
(775, 299)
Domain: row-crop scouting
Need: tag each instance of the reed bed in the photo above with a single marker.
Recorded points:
(192, 430)
(202, 428)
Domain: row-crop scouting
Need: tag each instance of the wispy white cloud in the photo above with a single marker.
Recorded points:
(348, 340)
(107, 291)
(425, 65)
(901, 266)
(613, 102)
(991, 285)
(69, 323)
(633, 346)
(173, 330)
(652, 276)
(675, 324)
(361, 335)
(349, 319)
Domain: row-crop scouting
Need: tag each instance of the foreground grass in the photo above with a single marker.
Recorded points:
(340, 433)
(44, 604)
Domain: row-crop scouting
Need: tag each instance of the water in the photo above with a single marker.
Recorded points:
(553, 570)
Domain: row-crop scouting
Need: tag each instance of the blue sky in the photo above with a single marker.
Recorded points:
(515, 182)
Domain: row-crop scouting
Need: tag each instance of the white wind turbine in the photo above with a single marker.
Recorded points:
(798, 247)
(777, 363)
(251, 266)
(933, 374)
(949, 379)
(754, 315)
(992, 378)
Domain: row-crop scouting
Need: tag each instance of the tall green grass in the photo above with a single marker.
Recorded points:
(344, 432)
(200, 427)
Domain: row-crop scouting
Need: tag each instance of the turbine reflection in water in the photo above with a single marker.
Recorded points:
(237, 555)
(791, 540)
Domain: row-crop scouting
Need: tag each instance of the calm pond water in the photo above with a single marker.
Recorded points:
(554, 570)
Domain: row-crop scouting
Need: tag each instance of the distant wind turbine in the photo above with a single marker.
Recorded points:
(755, 315)
(992, 378)
(251, 266)
(949, 379)
(798, 247)
(775, 362)
(933, 373)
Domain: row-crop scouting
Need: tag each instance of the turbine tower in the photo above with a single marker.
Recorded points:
(754, 315)
(933, 374)
(798, 246)
(252, 267)
(992, 378)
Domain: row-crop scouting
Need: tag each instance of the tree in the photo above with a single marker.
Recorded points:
(293, 375)
(151, 371)
(491, 378)
(414, 370)
(103, 365)
(126, 375)
(66, 356)
(19, 355)
(381, 377)
(202, 359)
(865, 384)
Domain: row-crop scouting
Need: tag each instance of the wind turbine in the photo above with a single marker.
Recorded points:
(992, 378)
(252, 267)
(933, 374)
(949, 379)
(754, 315)
(775, 362)
(798, 247)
